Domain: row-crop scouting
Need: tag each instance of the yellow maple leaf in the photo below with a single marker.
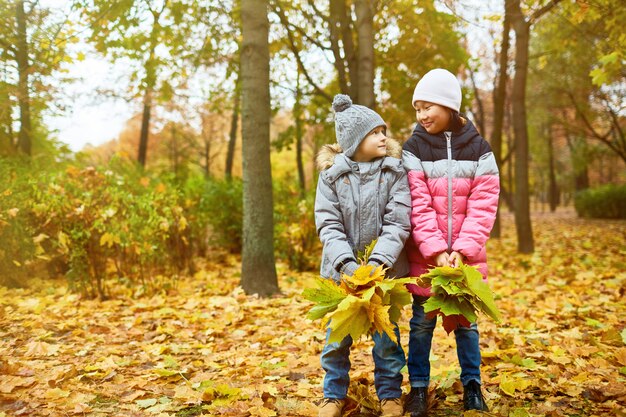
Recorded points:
(510, 383)
(380, 320)
(365, 274)
(56, 393)
(350, 318)
(261, 411)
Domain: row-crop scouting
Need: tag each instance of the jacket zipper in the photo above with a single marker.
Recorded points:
(449, 147)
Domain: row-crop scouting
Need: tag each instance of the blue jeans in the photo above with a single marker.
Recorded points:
(389, 360)
(420, 339)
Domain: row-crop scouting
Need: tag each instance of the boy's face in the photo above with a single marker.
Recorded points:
(433, 117)
(373, 146)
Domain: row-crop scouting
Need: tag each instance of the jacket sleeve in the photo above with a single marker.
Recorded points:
(396, 224)
(482, 205)
(425, 231)
(329, 224)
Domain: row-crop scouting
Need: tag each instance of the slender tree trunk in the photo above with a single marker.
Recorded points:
(258, 270)
(337, 9)
(525, 242)
(208, 138)
(350, 53)
(579, 163)
(364, 10)
(207, 159)
(150, 82)
(553, 190)
(480, 113)
(499, 96)
(297, 114)
(174, 150)
(7, 141)
(511, 162)
(232, 139)
(25, 135)
(145, 127)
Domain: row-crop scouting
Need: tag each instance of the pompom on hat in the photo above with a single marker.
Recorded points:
(353, 122)
(439, 86)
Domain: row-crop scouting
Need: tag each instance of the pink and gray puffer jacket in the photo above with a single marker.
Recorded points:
(454, 184)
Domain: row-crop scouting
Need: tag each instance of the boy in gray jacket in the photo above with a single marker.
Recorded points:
(362, 195)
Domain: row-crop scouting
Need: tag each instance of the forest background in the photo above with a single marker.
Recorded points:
(214, 171)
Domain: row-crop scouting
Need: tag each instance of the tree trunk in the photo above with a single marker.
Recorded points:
(525, 242)
(297, 114)
(364, 10)
(145, 127)
(7, 141)
(25, 135)
(499, 96)
(579, 163)
(480, 113)
(350, 54)
(232, 139)
(258, 270)
(150, 82)
(510, 164)
(553, 187)
(206, 140)
(174, 149)
(337, 9)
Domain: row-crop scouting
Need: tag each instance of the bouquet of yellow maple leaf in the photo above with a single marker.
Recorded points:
(363, 303)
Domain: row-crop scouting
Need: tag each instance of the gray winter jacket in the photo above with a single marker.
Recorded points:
(356, 203)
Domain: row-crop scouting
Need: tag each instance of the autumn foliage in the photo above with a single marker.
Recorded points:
(457, 295)
(205, 348)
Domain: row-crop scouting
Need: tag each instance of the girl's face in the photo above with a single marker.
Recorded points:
(433, 117)
(373, 146)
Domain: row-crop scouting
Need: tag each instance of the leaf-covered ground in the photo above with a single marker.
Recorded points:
(207, 348)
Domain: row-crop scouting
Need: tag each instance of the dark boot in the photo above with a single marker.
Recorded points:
(417, 402)
(473, 397)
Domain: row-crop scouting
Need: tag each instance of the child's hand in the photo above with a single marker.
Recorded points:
(442, 259)
(455, 259)
(350, 268)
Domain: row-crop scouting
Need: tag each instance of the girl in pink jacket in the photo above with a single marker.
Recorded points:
(454, 186)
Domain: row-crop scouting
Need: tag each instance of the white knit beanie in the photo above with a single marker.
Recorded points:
(353, 122)
(439, 86)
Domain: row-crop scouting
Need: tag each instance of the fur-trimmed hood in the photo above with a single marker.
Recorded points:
(326, 156)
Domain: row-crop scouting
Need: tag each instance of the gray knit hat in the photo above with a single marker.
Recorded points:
(353, 122)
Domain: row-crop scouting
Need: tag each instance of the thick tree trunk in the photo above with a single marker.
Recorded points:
(232, 138)
(364, 10)
(24, 141)
(145, 127)
(525, 242)
(258, 270)
(499, 96)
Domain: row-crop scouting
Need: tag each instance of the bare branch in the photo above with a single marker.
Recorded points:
(545, 9)
(296, 52)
